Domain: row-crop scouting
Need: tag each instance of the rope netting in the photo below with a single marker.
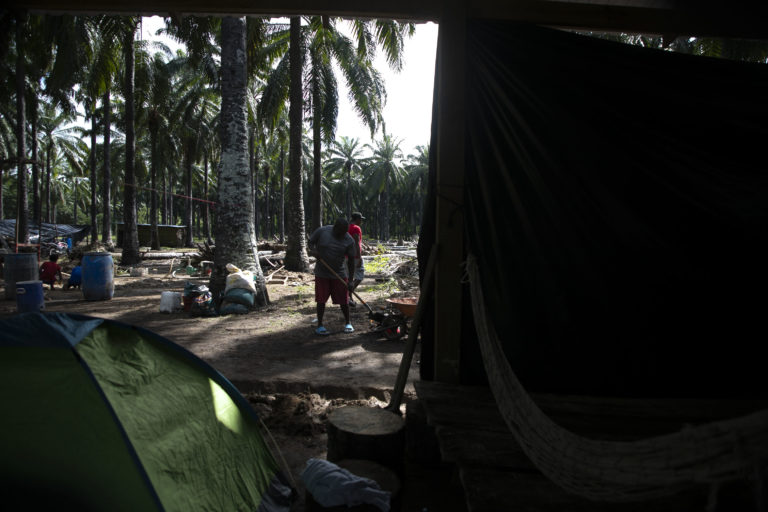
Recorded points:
(617, 471)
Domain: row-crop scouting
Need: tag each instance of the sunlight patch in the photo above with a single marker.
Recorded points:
(226, 411)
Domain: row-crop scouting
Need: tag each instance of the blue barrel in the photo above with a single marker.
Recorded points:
(29, 296)
(19, 267)
(98, 276)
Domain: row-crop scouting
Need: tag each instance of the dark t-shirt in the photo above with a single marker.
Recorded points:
(332, 250)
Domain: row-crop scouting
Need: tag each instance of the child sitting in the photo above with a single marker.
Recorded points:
(75, 278)
(50, 271)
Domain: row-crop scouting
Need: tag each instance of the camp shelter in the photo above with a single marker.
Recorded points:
(99, 415)
(593, 188)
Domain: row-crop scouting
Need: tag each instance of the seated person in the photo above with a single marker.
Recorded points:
(50, 271)
(75, 279)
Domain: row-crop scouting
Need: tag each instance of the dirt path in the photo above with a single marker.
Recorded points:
(273, 349)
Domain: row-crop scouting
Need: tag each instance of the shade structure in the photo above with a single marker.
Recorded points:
(100, 415)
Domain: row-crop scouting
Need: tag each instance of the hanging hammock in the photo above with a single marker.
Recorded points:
(617, 471)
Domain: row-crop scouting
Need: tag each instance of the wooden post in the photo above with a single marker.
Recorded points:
(450, 190)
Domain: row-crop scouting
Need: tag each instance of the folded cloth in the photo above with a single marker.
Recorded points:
(332, 486)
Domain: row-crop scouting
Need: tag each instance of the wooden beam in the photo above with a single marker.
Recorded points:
(712, 19)
(451, 51)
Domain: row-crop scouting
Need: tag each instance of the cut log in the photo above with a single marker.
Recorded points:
(169, 255)
(367, 433)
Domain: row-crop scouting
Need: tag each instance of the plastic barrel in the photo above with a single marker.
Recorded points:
(19, 267)
(29, 296)
(98, 276)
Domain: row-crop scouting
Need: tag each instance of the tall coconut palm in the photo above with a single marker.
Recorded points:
(417, 165)
(195, 112)
(97, 84)
(234, 231)
(345, 157)
(57, 139)
(130, 253)
(154, 77)
(384, 168)
(22, 206)
(323, 44)
(296, 257)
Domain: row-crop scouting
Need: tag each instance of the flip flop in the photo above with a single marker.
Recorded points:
(322, 331)
(349, 328)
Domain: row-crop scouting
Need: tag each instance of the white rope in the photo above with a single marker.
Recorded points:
(616, 471)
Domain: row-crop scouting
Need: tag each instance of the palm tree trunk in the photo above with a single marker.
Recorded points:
(2, 206)
(296, 258)
(92, 164)
(385, 208)
(317, 181)
(169, 197)
(268, 223)
(22, 205)
(188, 193)
(282, 195)
(154, 236)
(164, 202)
(36, 209)
(253, 163)
(130, 254)
(234, 231)
(74, 205)
(106, 191)
(207, 216)
(348, 166)
(48, 183)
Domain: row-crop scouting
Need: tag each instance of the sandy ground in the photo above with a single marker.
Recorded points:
(291, 376)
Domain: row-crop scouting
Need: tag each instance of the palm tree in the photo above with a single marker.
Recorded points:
(57, 139)
(323, 44)
(417, 165)
(97, 83)
(346, 156)
(196, 115)
(234, 231)
(296, 249)
(384, 168)
(154, 75)
(130, 253)
(22, 206)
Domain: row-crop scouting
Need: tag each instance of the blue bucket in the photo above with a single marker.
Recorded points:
(29, 296)
(98, 276)
(18, 267)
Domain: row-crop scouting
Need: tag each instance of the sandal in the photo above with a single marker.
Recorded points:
(321, 331)
(349, 328)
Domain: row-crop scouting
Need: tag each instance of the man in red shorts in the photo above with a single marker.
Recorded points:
(334, 246)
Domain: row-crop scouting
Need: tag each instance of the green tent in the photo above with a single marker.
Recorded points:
(99, 415)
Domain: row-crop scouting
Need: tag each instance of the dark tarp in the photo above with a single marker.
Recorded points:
(49, 231)
(617, 201)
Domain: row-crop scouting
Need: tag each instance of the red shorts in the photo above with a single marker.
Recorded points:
(333, 288)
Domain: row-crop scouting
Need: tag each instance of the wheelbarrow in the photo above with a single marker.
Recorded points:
(393, 323)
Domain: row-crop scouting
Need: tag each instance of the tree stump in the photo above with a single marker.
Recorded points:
(367, 433)
(386, 479)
